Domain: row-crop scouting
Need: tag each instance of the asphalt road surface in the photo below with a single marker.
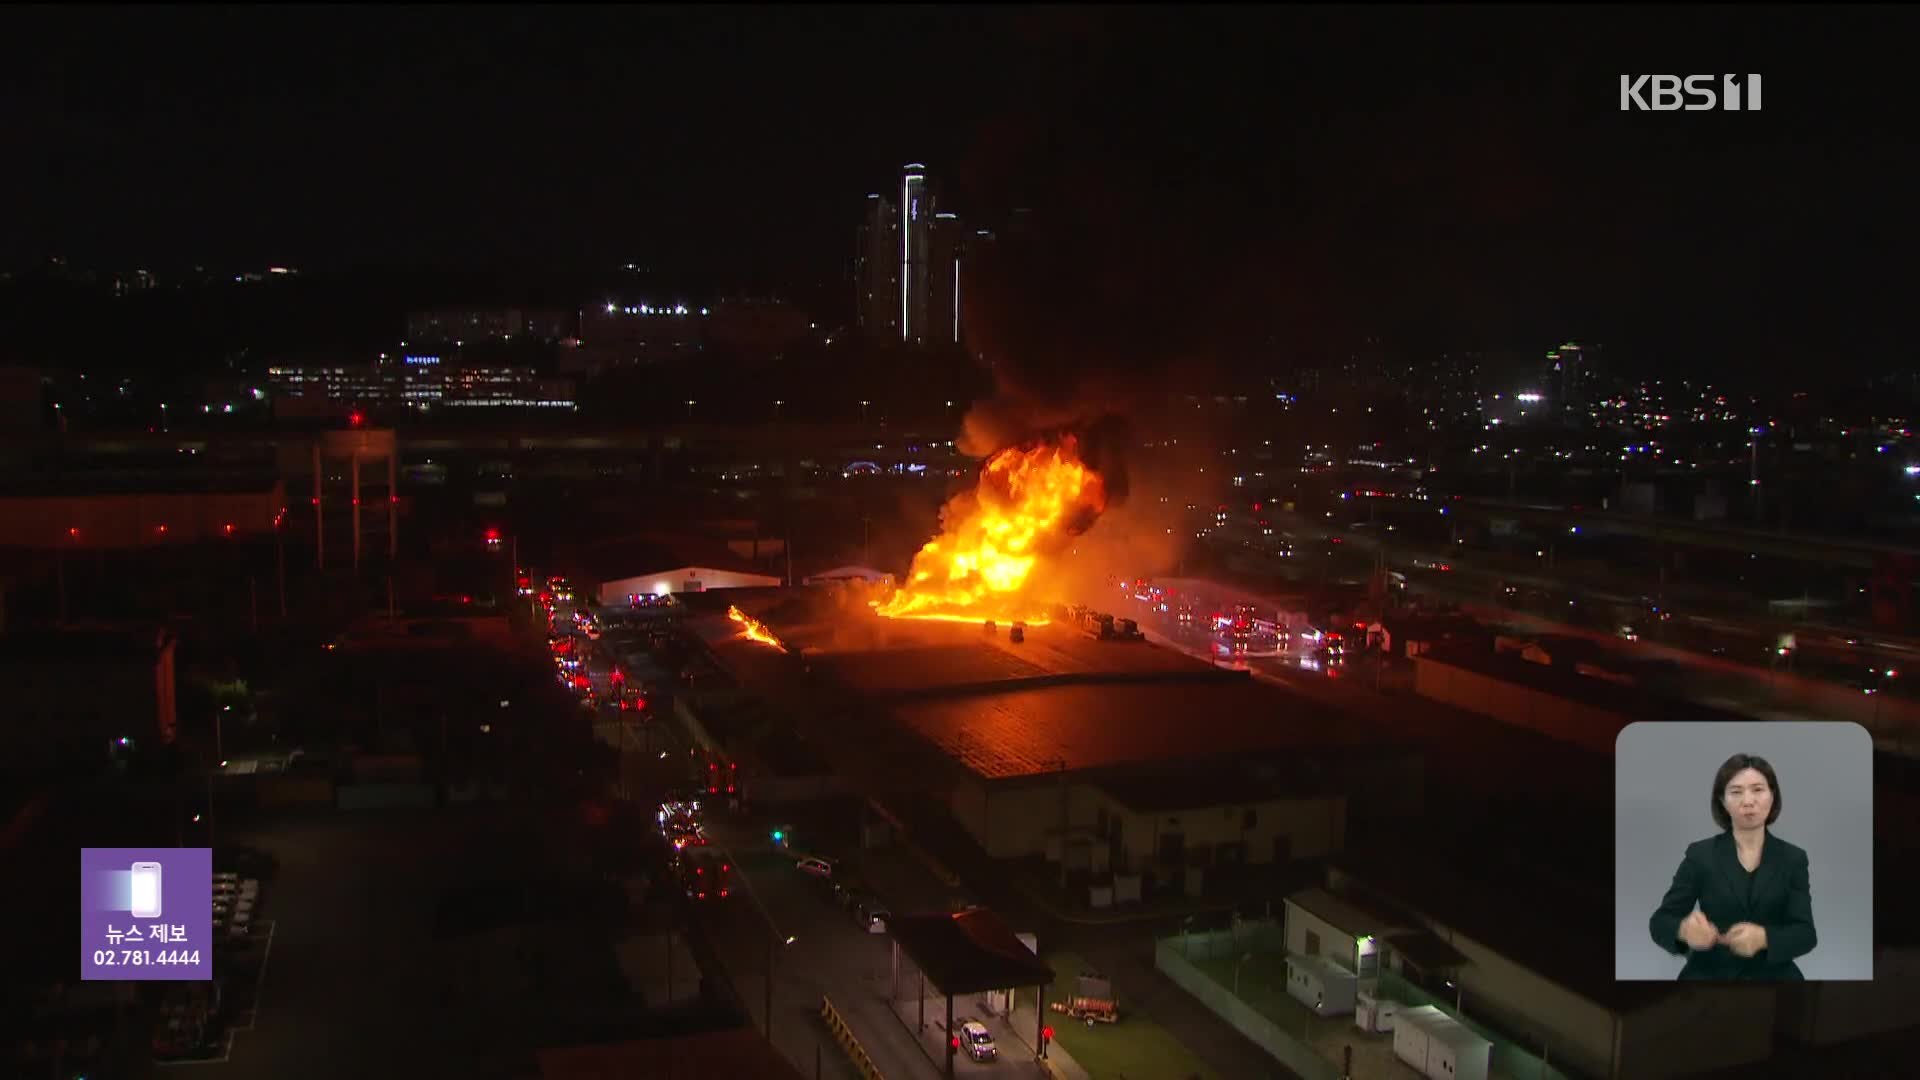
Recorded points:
(829, 956)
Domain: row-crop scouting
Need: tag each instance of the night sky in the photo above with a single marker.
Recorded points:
(1451, 175)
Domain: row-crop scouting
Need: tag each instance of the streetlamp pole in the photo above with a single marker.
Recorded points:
(773, 947)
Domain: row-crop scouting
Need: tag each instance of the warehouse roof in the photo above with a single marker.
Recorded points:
(1093, 726)
(1003, 710)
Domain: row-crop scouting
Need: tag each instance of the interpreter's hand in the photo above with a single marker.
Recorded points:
(1699, 932)
(1746, 939)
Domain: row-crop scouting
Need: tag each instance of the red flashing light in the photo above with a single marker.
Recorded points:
(393, 498)
(723, 892)
(228, 527)
(73, 532)
(493, 534)
(956, 1042)
(1047, 1032)
(725, 866)
(162, 529)
(356, 501)
(316, 500)
(356, 419)
(466, 599)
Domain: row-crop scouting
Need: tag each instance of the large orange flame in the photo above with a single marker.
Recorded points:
(1030, 502)
(753, 629)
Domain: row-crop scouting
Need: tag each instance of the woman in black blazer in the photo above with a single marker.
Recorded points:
(1756, 906)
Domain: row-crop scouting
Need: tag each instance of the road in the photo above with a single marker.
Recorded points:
(1713, 664)
(829, 956)
(1835, 654)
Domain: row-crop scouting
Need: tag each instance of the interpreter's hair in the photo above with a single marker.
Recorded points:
(1725, 776)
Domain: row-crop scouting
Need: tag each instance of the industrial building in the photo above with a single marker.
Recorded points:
(88, 513)
(1568, 689)
(1118, 758)
(616, 569)
(1497, 985)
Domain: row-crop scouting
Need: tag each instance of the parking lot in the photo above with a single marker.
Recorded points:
(197, 1022)
(359, 986)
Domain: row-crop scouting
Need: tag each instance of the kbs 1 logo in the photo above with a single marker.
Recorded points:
(1693, 93)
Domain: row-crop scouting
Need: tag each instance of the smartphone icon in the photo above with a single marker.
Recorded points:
(146, 890)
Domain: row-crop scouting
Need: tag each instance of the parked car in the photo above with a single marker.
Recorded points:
(814, 866)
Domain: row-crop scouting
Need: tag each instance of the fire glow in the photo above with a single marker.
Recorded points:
(753, 629)
(1030, 502)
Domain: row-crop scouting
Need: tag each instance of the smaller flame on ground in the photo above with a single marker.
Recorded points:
(753, 629)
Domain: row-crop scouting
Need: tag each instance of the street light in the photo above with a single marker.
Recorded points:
(863, 409)
(690, 404)
(773, 947)
(776, 407)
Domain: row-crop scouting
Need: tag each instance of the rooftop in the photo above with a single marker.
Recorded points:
(1636, 701)
(138, 482)
(1522, 917)
(1005, 710)
(81, 646)
(1095, 726)
(1202, 784)
(614, 558)
(1344, 914)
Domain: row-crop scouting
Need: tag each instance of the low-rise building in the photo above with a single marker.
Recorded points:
(1413, 932)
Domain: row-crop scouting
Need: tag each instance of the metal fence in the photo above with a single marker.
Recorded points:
(1170, 955)
(1511, 1060)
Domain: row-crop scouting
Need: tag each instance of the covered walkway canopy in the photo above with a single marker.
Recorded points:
(967, 952)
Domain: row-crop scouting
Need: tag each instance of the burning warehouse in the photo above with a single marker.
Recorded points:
(965, 692)
(1119, 758)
